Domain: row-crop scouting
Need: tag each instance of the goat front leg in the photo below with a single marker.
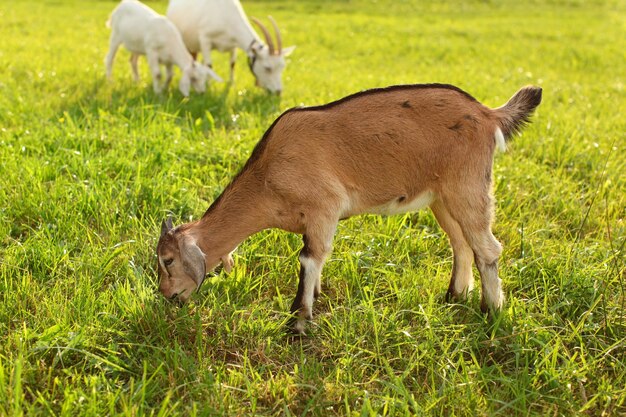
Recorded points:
(169, 73)
(233, 61)
(133, 65)
(155, 69)
(317, 247)
(205, 49)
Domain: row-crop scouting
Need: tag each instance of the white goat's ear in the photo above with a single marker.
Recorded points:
(288, 50)
(209, 72)
(185, 84)
(255, 49)
(166, 226)
(228, 262)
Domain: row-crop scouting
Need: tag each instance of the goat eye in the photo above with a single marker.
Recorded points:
(268, 69)
(167, 262)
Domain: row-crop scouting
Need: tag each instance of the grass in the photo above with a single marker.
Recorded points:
(89, 169)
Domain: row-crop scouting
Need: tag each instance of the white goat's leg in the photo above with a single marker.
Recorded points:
(317, 247)
(233, 61)
(205, 49)
(133, 66)
(169, 73)
(114, 44)
(462, 280)
(155, 69)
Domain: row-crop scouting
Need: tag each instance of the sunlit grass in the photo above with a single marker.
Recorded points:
(89, 169)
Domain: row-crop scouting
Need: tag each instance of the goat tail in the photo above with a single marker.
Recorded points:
(515, 114)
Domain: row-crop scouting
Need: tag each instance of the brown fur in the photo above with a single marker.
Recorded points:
(375, 151)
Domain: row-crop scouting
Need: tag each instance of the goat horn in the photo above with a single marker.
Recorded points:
(266, 33)
(279, 41)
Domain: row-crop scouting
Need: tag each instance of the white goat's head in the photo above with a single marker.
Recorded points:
(267, 62)
(196, 76)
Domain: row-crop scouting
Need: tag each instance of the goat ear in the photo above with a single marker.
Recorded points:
(193, 260)
(185, 84)
(288, 50)
(166, 226)
(255, 49)
(228, 262)
(212, 74)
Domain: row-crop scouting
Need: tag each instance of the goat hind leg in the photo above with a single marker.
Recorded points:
(487, 252)
(462, 279)
(474, 215)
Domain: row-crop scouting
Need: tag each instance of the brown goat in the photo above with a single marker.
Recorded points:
(384, 151)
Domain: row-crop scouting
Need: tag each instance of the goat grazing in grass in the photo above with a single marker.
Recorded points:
(385, 151)
(223, 25)
(145, 32)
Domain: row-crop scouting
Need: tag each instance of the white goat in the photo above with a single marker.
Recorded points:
(145, 32)
(384, 151)
(223, 25)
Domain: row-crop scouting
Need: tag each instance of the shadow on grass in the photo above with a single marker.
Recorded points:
(218, 107)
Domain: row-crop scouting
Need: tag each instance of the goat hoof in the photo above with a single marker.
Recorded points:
(295, 327)
(487, 309)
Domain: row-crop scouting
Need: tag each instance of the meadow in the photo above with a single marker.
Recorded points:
(90, 168)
